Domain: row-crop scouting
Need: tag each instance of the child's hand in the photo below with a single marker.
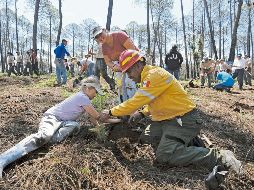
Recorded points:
(104, 115)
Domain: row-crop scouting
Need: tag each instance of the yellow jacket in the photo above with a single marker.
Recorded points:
(161, 92)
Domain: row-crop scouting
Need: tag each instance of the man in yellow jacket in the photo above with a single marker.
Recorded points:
(175, 119)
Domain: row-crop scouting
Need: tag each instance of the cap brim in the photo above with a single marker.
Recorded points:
(97, 33)
(99, 91)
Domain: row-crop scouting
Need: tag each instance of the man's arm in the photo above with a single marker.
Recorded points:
(180, 58)
(110, 64)
(158, 83)
(66, 52)
(128, 44)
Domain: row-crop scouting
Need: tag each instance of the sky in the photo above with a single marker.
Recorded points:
(124, 11)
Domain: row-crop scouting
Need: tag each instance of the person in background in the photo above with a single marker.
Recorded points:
(34, 61)
(247, 70)
(173, 62)
(60, 51)
(224, 66)
(238, 70)
(113, 44)
(66, 64)
(101, 67)
(27, 64)
(216, 69)
(11, 64)
(72, 66)
(87, 65)
(227, 82)
(19, 65)
(206, 70)
(58, 122)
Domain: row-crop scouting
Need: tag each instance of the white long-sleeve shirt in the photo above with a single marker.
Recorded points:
(239, 64)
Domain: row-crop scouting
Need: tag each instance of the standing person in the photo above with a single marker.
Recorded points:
(175, 118)
(216, 69)
(58, 122)
(206, 68)
(101, 67)
(27, 64)
(35, 63)
(60, 52)
(11, 64)
(173, 62)
(247, 70)
(113, 44)
(227, 82)
(71, 66)
(224, 66)
(19, 65)
(238, 70)
(87, 65)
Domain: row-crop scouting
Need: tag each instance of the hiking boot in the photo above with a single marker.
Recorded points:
(216, 177)
(230, 161)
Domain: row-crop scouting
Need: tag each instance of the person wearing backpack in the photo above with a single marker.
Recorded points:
(173, 61)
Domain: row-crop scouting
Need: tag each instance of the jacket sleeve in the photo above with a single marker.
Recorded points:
(153, 86)
(66, 52)
(180, 58)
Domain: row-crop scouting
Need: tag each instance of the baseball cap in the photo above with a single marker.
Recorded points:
(92, 81)
(97, 30)
(239, 55)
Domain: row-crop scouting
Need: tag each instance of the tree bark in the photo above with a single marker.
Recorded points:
(109, 16)
(16, 19)
(60, 22)
(148, 28)
(185, 44)
(211, 30)
(234, 34)
(50, 42)
(36, 14)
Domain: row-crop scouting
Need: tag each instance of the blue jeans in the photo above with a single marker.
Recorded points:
(61, 75)
(221, 87)
(175, 72)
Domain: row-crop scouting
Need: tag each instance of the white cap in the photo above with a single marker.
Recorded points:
(97, 30)
(92, 81)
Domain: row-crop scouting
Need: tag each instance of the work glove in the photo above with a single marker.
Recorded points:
(135, 118)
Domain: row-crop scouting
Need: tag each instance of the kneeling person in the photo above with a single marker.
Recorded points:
(175, 119)
(227, 81)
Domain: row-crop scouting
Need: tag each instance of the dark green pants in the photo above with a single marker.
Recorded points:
(171, 140)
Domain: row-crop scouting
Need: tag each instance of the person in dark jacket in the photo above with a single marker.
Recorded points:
(173, 61)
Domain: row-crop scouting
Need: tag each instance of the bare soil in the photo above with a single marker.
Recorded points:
(120, 162)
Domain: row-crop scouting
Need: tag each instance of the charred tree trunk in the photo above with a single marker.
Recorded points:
(185, 44)
(50, 42)
(211, 30)
(234, 34)
(60, 23)
(249, 29)
(36, 14)
(148, 28)
(16, 19)
(109, 16)
(1, 46)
